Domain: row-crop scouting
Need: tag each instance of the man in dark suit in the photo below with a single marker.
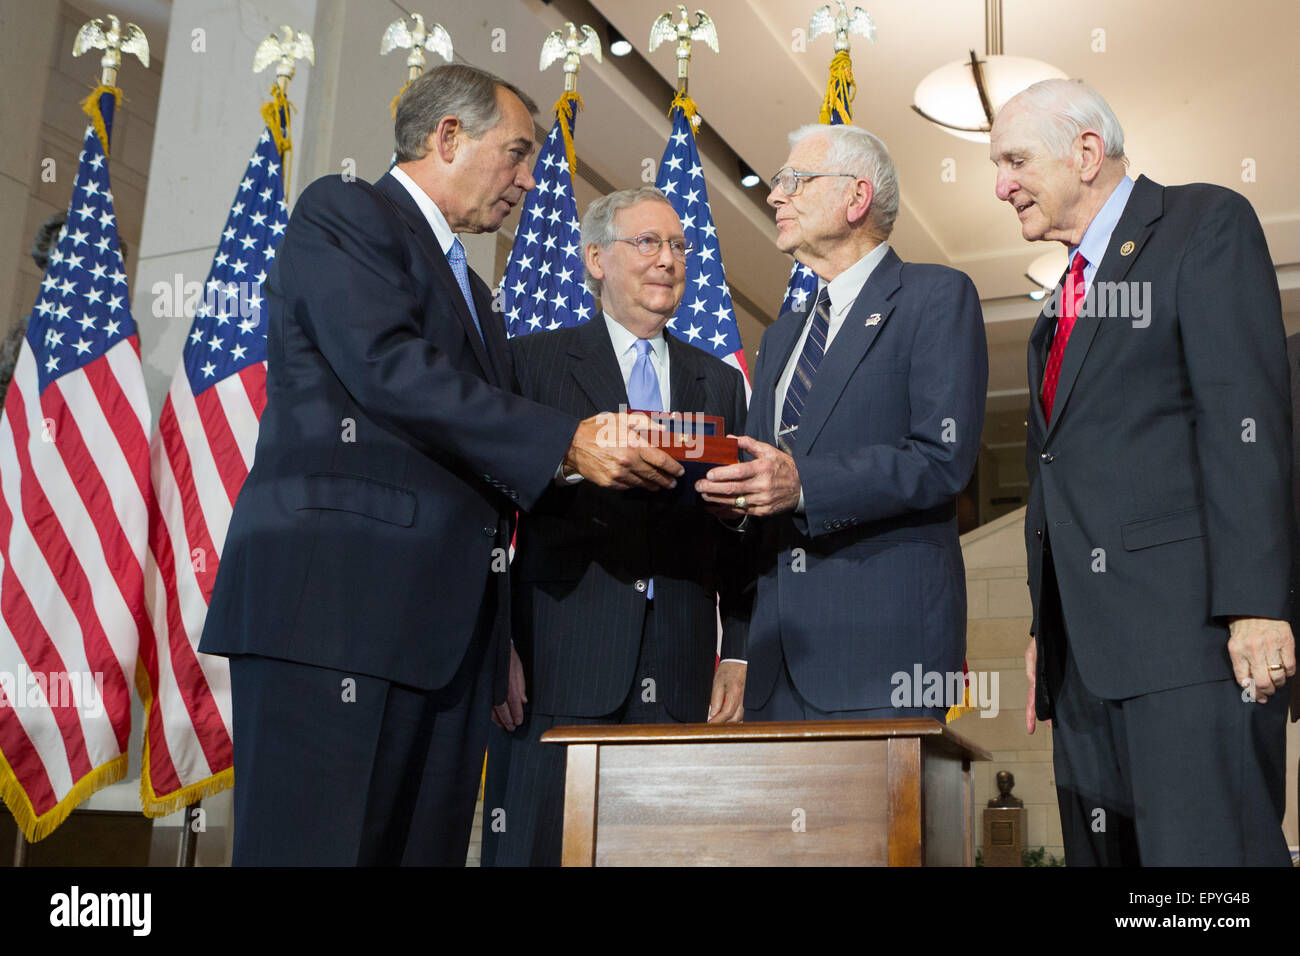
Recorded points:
(864, 426)
(616, 594)
(356, 596)
(1159, 516)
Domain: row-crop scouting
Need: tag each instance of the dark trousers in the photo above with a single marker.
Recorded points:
(523, 797)
(340, 769)
(786, 703)
(1192, 776)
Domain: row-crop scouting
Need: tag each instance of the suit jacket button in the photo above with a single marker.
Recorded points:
(640, 585)
(490, 531)
(1046, 458)
(514, 494)
(826, 525)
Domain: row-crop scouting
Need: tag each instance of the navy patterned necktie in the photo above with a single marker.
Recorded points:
(814, 349)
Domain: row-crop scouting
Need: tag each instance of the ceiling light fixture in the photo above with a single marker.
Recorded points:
(617, 44)
(1046, 271)
(962, 98)
(748, 178)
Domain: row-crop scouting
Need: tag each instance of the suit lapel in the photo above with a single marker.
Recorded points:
(423, 232)
(1144, 207)
(494, 330)
(595, 367)
(685, 377)
(866, 318)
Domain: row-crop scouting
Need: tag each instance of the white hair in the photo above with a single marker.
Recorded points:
(851, 149)
(1064, 109)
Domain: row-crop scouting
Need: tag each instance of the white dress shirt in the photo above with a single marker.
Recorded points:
(437, 221)
(843, 290)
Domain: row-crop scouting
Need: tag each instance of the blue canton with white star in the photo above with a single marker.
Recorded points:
(543, 287)
(82, 309)
(229, 329)
(705, 318)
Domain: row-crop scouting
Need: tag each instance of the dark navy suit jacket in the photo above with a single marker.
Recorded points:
(584, 553)
(1168, 454)
(391, 457)
(869, 581)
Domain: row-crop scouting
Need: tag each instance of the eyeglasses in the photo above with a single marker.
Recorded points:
(649, 245)
(789, 179)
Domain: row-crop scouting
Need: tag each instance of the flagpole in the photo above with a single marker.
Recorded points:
(282, 50)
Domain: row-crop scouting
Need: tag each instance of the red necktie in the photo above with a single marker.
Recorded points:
(1071, 295)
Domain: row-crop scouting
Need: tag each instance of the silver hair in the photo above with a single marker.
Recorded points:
(852, 149)
(1065, 109)
(453, 89)
(598, 221)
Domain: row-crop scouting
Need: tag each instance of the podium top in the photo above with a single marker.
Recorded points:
(614, 734)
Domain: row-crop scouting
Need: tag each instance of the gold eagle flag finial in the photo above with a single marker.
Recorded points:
(685, 33)
(114, 43)
(842, 24)
(573, 47)
(282, 49)
(417, 39)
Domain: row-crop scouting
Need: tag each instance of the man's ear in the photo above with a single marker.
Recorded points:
(860, 203)
(445, 138)
(1089, 154)
(591, 260)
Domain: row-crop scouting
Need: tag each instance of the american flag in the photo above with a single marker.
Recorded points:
(705, 317)
(201, 454)
(543, 285)
(74, 504)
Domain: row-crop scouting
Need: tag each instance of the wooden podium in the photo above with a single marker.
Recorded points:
(815, 793)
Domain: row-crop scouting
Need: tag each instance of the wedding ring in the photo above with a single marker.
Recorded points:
(740, 503)
(1276, 667)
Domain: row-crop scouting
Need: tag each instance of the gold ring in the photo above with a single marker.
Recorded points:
(1276, 667)
(740, 502)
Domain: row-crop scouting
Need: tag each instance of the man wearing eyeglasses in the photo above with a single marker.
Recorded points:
(616, 595)
(866, 418)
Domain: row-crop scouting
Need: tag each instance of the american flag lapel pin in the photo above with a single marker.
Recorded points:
(873, 319)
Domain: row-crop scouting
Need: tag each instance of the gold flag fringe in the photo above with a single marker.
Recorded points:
(565, 109)
(392, 107)
(35, 827)
(272, 110)
(687, 105)
(90, 106)
(840, 90)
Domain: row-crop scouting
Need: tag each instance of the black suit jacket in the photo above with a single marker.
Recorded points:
(869, 582)
(391, 456)
(1162, 485)
(584, 553)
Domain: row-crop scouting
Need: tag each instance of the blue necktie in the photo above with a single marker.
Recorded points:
(456, 259)
(814, 349)
(643, 393)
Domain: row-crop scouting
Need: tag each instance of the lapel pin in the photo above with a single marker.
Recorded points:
(1127, 248)
(873, 319)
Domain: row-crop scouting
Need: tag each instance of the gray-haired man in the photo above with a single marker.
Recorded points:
(615, 594)
(356, 597)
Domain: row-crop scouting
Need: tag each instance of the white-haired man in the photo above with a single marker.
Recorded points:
(864, 426)
(1158, 524)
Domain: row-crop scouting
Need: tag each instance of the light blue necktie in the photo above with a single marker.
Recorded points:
(456, 259)
(643, 393)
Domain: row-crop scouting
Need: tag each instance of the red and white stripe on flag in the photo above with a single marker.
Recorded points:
(74, 504)
(202, 452)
